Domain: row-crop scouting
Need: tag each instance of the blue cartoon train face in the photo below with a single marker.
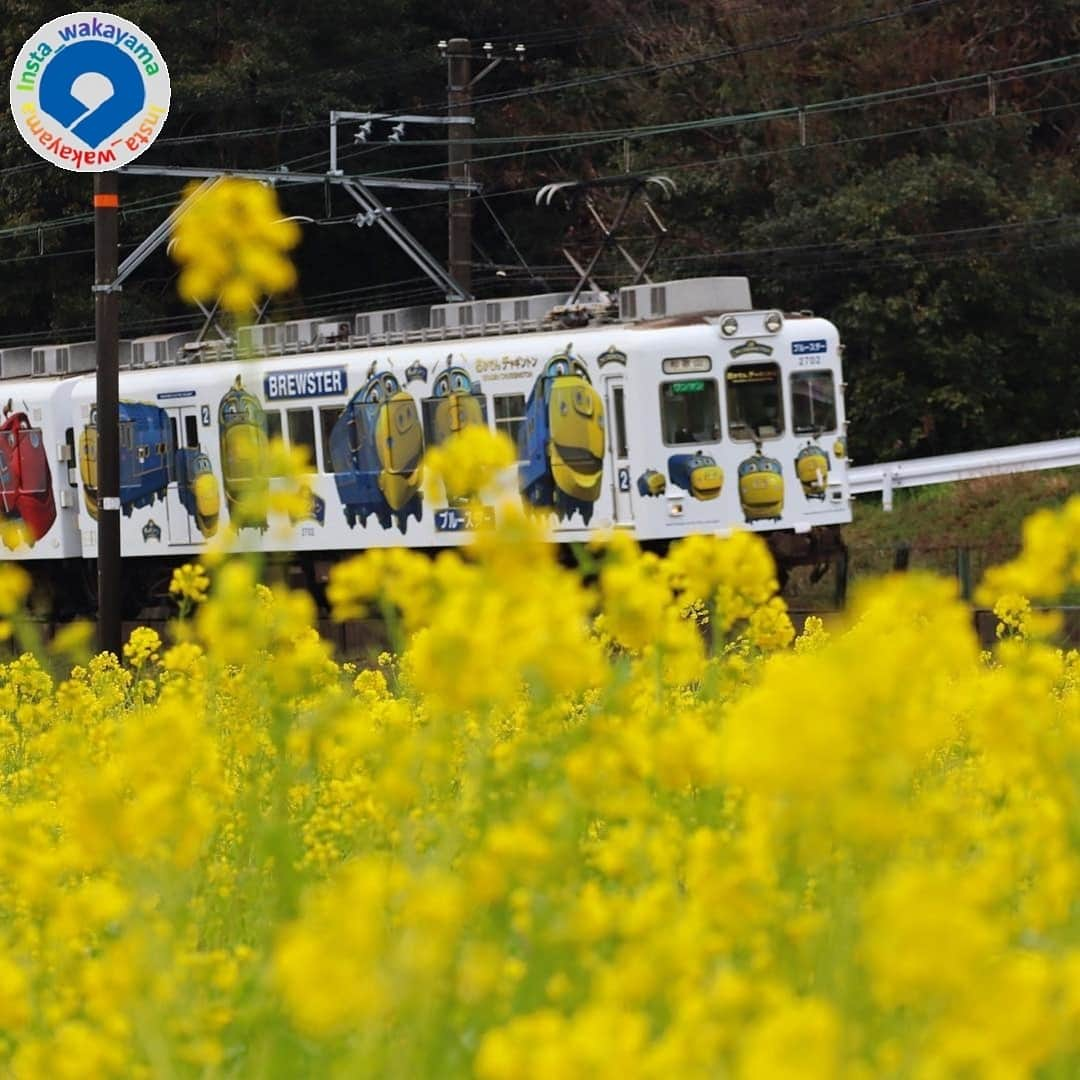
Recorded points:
(377, 449)
(761, 488)
(147, 457)
(812, 469)
(149, 463)
(456, 403)
(242, 427)
(651, 483)
(562, 440)
(697, 473)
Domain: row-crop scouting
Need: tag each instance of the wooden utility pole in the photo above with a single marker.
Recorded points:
(107, 334)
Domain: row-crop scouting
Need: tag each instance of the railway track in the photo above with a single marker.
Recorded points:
(361, 640)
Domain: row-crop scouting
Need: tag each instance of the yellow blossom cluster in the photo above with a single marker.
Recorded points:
(231, 240)
(466, 465)
(575, 823)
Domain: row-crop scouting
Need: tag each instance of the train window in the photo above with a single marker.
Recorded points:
(753, 400)
(273, 424)
(509, 415)
(302, 433)
(69, 438)
(273, 431)
(328, 417)
(618, 433)
(690, 411)
(191, 431)
(813, 402)
(445, 415)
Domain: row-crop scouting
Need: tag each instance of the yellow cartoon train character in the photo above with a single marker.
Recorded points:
(562, 440)
(377, 449)
(761, 487)
(456, 403)
(242, 427)
(812, 469)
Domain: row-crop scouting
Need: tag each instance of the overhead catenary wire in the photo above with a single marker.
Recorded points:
(732, 160)
(158, 202)
(913, 92)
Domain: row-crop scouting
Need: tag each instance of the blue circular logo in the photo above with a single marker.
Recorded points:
(90, 92)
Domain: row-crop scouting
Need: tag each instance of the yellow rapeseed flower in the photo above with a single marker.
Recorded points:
(231, 240)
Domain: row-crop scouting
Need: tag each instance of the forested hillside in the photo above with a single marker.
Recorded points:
(907, 169)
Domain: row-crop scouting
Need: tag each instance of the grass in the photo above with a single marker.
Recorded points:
(983, 516)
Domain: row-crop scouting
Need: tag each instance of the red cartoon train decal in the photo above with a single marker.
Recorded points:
(26, 491)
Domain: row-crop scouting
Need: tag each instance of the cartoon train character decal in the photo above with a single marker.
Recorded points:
(147, 457)
(26, 490)
(377, 449)
(812, 469)
(761, 487)
(456, 404)
(562, 440)
(651, 483)
(697, 473)
(198, 489)
(242, 426)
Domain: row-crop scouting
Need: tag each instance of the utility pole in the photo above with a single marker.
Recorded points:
(107, 334)
(459, 150)
(459, 83)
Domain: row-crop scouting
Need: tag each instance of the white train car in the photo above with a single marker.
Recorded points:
(687, 412)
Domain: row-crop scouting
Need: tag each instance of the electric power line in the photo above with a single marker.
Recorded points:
(916, 91)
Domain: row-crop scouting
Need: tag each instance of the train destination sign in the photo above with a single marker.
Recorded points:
(316, 382)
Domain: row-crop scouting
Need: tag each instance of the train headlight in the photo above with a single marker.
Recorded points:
(773, 321)
(729, 325)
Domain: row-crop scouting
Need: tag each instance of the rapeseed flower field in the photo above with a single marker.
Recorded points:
(610, 822)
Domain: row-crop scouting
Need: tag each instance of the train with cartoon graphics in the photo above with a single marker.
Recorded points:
(664, 410)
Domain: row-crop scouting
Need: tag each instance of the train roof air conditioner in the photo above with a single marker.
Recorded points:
(696, 296)
(15, 362)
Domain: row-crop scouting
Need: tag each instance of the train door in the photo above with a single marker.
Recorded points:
(184, 422)
(618, 449)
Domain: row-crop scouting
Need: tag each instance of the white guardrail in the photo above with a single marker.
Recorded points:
(947, 468)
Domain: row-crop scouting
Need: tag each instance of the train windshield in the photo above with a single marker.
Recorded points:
(753, 399)
(690, 411)
(813, 402)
